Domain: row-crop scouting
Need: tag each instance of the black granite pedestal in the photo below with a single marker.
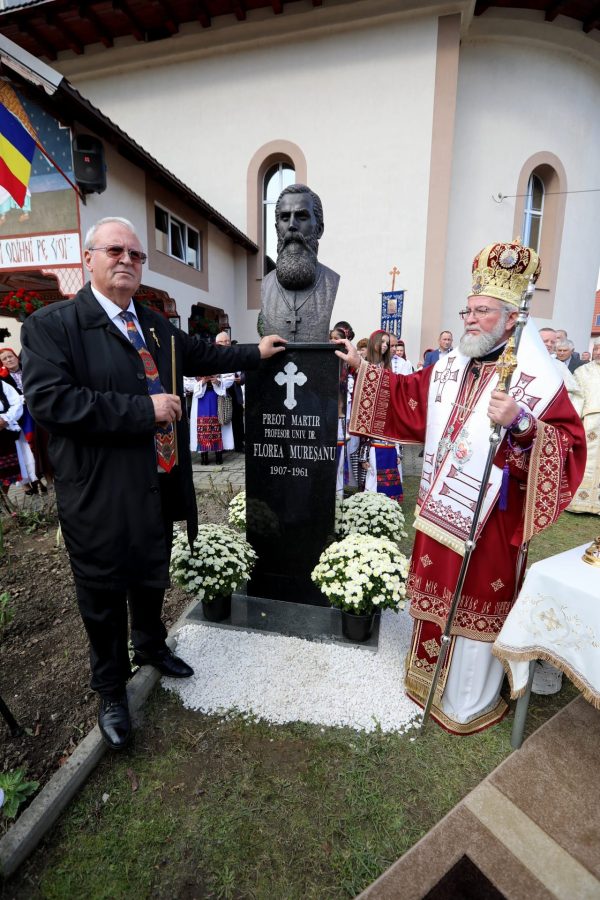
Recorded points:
(291, 448)
(310, 622)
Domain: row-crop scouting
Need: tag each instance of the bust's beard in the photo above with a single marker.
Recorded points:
(297, 262)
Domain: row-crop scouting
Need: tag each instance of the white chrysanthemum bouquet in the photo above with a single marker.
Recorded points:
(236, 511)
(222, 559)
(362, 574)
(374, 514)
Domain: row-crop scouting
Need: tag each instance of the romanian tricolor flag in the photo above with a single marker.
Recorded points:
(16, 153)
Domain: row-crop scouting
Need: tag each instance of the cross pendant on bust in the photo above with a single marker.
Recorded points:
(294, 321)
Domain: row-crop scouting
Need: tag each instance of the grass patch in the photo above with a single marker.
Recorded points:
(229, 808)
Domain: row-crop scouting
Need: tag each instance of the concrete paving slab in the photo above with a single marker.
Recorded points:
(531, 827)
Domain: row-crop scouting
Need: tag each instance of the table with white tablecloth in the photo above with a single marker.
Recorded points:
(556, 617)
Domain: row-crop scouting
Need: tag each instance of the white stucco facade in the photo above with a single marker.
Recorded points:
(361, 95)
(516, 100)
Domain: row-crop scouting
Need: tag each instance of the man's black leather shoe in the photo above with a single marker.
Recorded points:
(114, 722)
(166, 662)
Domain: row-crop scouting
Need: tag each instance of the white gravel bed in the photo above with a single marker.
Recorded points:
(286, 679)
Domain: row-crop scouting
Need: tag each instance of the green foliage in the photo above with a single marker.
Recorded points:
(7, 612)
(31, 513)
(15, 791)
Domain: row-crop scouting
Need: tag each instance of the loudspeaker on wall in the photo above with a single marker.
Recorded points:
(88, 163)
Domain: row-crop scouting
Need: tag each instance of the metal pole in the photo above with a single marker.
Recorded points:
(516, 737)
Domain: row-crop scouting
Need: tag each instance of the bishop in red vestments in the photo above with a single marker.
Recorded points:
(539, 464)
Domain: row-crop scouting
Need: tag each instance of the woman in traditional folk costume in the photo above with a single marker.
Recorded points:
(11, 375)
(206, 433)
(537, 469)
(400, 364)
(11, 410)
(380, 458)
(347, 445)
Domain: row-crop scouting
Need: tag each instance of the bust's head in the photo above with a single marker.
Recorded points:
(299, 224)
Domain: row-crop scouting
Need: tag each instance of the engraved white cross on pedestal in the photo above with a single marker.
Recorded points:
(444, 377)
(291, 378)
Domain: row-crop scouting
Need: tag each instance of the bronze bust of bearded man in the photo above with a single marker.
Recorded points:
(298, 295)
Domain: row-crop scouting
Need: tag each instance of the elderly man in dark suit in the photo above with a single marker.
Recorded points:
(565, 352)
(98, 375)
(444, 347)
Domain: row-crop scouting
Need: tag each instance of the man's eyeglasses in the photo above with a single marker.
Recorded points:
(116, 251)
(478, 311)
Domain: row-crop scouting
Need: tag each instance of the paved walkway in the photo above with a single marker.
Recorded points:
(231, 474)
(529, 831)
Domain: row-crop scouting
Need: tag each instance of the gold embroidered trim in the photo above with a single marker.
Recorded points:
(439, 535)
(372, 399)
(492, 717)
(544, 488)
(504, 655)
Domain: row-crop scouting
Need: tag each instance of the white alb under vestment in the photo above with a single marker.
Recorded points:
(587, 496)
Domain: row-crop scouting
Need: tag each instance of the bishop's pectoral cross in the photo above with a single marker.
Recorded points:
(444, 377)
(393, 273)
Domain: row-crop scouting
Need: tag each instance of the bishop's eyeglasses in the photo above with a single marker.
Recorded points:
(478, 311)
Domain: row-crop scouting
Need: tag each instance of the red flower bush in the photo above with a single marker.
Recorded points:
(21, 302)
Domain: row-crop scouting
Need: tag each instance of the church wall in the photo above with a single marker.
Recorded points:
(124, 196)
(515, 102)
(359, 105)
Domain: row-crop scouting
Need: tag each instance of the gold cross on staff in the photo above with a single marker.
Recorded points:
(393, 273)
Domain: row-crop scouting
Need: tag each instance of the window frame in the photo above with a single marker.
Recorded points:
(185, 228)
(531, 213)
(268, 206)
(549, 168)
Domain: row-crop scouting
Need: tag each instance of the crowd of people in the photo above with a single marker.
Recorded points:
(116, 431)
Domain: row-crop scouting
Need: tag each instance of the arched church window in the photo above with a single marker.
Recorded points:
(533, 212)
(277, 177)
(539, 217)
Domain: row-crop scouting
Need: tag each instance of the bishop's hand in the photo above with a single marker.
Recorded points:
(351, 356)
(502, 409)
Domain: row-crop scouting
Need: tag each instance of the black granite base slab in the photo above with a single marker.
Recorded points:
(301, 620)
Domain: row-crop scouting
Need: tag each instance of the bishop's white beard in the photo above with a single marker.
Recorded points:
(477, 345)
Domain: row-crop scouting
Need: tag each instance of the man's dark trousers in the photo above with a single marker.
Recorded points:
(104, 614)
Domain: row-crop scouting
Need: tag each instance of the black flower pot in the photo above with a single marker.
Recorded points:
(357, 628)
(217, 609)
